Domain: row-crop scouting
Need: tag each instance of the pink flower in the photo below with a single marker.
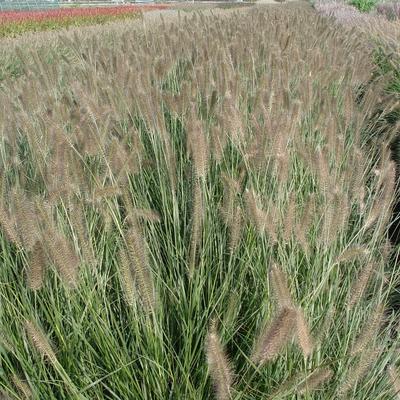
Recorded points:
(61, 13)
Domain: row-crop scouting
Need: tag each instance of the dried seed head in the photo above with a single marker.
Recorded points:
(360, 284)
(22, 387)
(303, 333)
(263, 221)
(105, 192)
(394, 380)
(128, 283)
(315, 380)
(198, 148)
(218, 143)
(253, 211)
(280, 287)
(197, 223)
(303, 226)
(63, 256)
(8, 225)
(387, 249)
(40, 341)
(289, 221)
(37, 265)
(374, 213)
(353, 252)
(26, 220)
(235, 229)
(79, 225)
(147, 214)
(140, 267)
(367, 359)
(323, 170)
(274, 337)
(219, 365)
(231, 189)
(369, 331)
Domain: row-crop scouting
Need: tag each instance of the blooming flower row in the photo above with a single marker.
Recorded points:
(14, 23)
(17, 16)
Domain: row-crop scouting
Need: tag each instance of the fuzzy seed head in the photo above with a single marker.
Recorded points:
(273, 338)
(40, 341)
(219, 366)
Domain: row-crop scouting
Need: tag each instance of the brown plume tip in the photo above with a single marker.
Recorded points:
(21, 386)
(369, 331)
(394, 380)
(219, 365)
(40, 341)
(280, 286)
(315, 380)
(37, 265)
(303, 333)
(274, 337)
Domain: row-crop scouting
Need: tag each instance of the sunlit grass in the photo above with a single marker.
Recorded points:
(194, 210)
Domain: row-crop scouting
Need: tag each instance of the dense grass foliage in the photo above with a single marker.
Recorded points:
(191, 211)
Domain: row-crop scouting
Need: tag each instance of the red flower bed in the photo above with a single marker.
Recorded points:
(14, 23)
(17, 16)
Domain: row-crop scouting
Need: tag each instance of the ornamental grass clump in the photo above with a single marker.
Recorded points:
(191, 211)
(391, 10)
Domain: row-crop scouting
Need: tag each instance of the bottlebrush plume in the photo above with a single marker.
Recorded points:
(257, 216)
(231, 189)
(369, 331)
(375, 212)
(26, 220)
(63, 256)
(40, 341)
(137, 253)
(218, 143)
(235, 229)
(303, 333)
(128, 283)
(359, 370)
(37, 265)
(219, 365)
(387, 249)
(282, 166)
(79, 225)
(288, 385)
(22, 387)
(280, 287)
(7, 224)
(303, 226)
(329, 223)
(289, 223)
(323, 170)
(197, 223)
(315, 380)
(351, 253)
(360, 284)
(394, 380)
(147, 214)
(198, 147)
(104, 192)
(274, 337)
(389, 182)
